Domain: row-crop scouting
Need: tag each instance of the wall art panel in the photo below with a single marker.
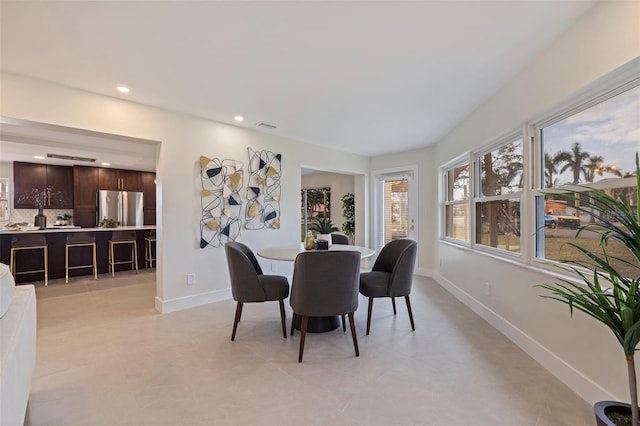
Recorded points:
(220, 200)
(263, 190)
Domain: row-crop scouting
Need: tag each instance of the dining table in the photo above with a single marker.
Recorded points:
(288, 253)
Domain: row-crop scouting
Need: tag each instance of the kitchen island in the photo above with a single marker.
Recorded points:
(56, 239)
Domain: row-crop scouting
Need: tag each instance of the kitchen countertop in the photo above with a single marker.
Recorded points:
(54, 229)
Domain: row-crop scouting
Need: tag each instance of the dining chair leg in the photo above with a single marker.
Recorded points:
(236, 320)
(352, 323)
(393, 302)
(303, 333)
(369, 314)
(282, 318)
(344, 323)
(406, 298)
(293, 322)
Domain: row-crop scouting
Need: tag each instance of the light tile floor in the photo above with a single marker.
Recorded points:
(106, 357)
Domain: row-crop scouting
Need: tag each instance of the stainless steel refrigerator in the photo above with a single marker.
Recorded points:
(123, 206)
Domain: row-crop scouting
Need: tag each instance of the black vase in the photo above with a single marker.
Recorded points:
(40, 220)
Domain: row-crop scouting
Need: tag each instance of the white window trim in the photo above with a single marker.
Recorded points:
(459, 161)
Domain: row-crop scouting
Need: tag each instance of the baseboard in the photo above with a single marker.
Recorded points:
(574, 379)
(172, 305)
(424, 272)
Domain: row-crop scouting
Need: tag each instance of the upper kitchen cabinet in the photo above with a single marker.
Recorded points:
(148, 182)
(118, 180)
(30, 176)
(85, 187)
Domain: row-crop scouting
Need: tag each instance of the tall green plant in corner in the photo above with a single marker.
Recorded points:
(348, 211)
(610, 297)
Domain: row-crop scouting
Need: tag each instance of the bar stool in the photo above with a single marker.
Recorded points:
(77, 240)
(30, 242)
(150, 243)
(123, 237)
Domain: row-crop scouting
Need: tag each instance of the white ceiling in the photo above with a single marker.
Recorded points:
(368, 77)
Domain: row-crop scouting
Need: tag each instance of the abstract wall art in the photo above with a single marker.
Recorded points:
(221, 201)
(263, 190)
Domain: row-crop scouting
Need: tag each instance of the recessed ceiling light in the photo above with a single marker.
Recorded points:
(38, 157)
(123, 89)
(106, 164)
(238, 118)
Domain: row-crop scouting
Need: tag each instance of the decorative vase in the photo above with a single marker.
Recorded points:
(40, 220)
(603, 408)
(309, 241)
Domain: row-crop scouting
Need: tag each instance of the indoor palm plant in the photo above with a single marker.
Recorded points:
(323, 226)
(606, 293)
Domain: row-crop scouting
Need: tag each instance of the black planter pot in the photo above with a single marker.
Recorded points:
(602, 408)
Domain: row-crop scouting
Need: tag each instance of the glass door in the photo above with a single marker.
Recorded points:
(395, 207)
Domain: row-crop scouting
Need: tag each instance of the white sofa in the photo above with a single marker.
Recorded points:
(17, 347)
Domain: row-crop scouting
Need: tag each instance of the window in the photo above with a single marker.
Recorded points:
(456, 202)
(497, 204)
(515, 209)
(594, 147)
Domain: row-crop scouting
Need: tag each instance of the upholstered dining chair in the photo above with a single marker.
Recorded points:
(391, 276)
(325, 283)
(340, 239)
(249, 284)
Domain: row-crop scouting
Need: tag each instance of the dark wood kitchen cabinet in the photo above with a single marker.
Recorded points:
(30, 176)
(85, 196)
(118, 180)
(148, 184)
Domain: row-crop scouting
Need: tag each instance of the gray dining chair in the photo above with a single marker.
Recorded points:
(340, 239)
(391, 276)
(325, 283)
(249, 284)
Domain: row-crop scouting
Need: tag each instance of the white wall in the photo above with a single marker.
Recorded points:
(579, 351)
(183, 139)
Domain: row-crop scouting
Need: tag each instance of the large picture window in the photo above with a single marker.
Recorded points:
(456, 202)
(506, 197)
(594, 147)
(497, 204)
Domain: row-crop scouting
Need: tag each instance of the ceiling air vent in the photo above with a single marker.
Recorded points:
(266, 125)
(71, 158)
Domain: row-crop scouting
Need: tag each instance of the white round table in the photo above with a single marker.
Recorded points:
(288, 253)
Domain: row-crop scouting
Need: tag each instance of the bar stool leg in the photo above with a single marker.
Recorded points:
(135, 254)
(66, 263)
(95, 262)
(46, 265)
(111, 260)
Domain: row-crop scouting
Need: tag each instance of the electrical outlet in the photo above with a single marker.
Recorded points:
(191, 279)
(441, 263)
(487, 289)
(273, 267)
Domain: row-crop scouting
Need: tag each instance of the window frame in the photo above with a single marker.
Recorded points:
(461, 161)
(614, 83)
(478, 197)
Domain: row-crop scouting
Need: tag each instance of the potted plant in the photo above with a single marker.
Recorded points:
(610, 296)
(323, 228)
(348, 211)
